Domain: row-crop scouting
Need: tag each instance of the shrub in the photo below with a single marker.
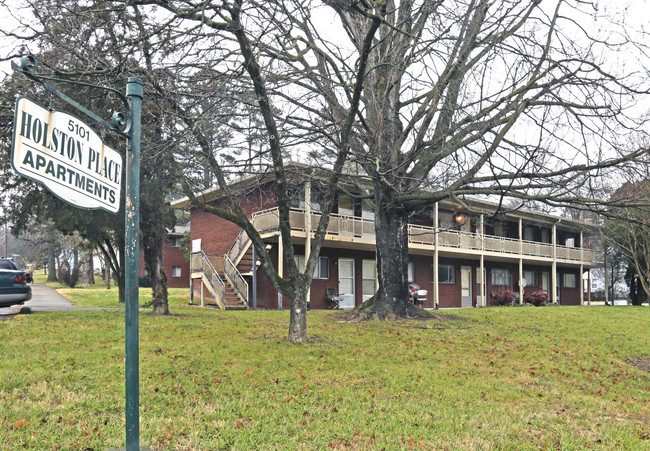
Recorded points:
(536, 298)
(503, 297)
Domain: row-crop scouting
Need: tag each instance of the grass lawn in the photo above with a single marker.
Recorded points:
(497, 378)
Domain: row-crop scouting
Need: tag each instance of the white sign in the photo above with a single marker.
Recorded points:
(64, 154)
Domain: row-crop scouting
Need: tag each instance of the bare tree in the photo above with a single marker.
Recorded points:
(503, 99)
(627, 232)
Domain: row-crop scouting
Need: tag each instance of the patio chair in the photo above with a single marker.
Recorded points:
(333, 298)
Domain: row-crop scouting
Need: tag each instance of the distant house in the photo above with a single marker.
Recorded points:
(176, 266)
(460, 257)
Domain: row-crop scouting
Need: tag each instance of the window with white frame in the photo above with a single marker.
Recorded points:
(176, 271)
(569, 280)
(501, 276)
(411, 272)
(322, 269)
(446, 274)
(176, 241)
(531, 278)
(369, 277)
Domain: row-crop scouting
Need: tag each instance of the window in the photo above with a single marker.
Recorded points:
(298, 201)
(570, 242)
(531, 278)
(446, 273)
(501, 277)
(369, 279)
(176, 271)
(445, 220)
(322, 269)
(529, 234)
(346, 206)
(501, 229)
(569, 280)
(411, 272)
(176, 241)
(546, 236)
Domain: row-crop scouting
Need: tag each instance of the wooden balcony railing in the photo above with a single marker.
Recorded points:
(355, 227)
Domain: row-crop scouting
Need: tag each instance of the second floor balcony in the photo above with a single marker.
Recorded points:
(356, 229)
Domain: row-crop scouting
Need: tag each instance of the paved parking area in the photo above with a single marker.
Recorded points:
(44, 299)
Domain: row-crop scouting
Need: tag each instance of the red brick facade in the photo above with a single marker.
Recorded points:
(217, 235)
(174, 264)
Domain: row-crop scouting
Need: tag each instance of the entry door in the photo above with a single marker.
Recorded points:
(546, 283)
(346, 282)
(466, 286)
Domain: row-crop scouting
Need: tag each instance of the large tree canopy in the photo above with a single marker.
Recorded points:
(536, 100)
(530, 100)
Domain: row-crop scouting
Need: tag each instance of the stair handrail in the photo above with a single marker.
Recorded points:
(239, 284)
(243, 240)
(241, 243)
(211, 274)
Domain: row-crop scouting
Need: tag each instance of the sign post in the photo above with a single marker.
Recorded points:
(132, 224)
(64, 154)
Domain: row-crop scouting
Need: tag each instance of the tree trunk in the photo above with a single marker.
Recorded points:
(120, 278)
(153, 262)
(107, 273)
(298, 318)
(90, 275)
(391, 232)
(51, 260)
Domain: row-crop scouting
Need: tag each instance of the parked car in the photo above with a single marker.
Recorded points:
(13, 284)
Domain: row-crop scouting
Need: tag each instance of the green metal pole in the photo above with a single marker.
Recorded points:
(132, 245)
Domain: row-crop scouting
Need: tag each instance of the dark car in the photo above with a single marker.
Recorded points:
(13, 284)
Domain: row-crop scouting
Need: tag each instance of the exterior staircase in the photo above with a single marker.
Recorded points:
(222, 279)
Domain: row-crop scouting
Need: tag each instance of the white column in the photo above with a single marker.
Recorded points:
(436, 294)
(280, 268)
(521, 279)
(554, 266)
(582, 286)
(521, 261)
(482, 264)
(308, 229)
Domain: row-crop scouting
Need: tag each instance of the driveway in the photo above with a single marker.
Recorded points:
(46, 299)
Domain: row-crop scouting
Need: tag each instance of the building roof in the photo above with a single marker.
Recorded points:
(476, 205)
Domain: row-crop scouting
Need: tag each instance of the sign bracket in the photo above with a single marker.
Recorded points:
(120, 122)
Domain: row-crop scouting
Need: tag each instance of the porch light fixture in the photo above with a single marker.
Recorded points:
(459, 217)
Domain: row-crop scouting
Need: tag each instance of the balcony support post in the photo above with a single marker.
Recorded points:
(308, 228)
(436, 293)
(582, 285)
(482, 263)
(521, 280)
(280, 268)
(554, 266)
